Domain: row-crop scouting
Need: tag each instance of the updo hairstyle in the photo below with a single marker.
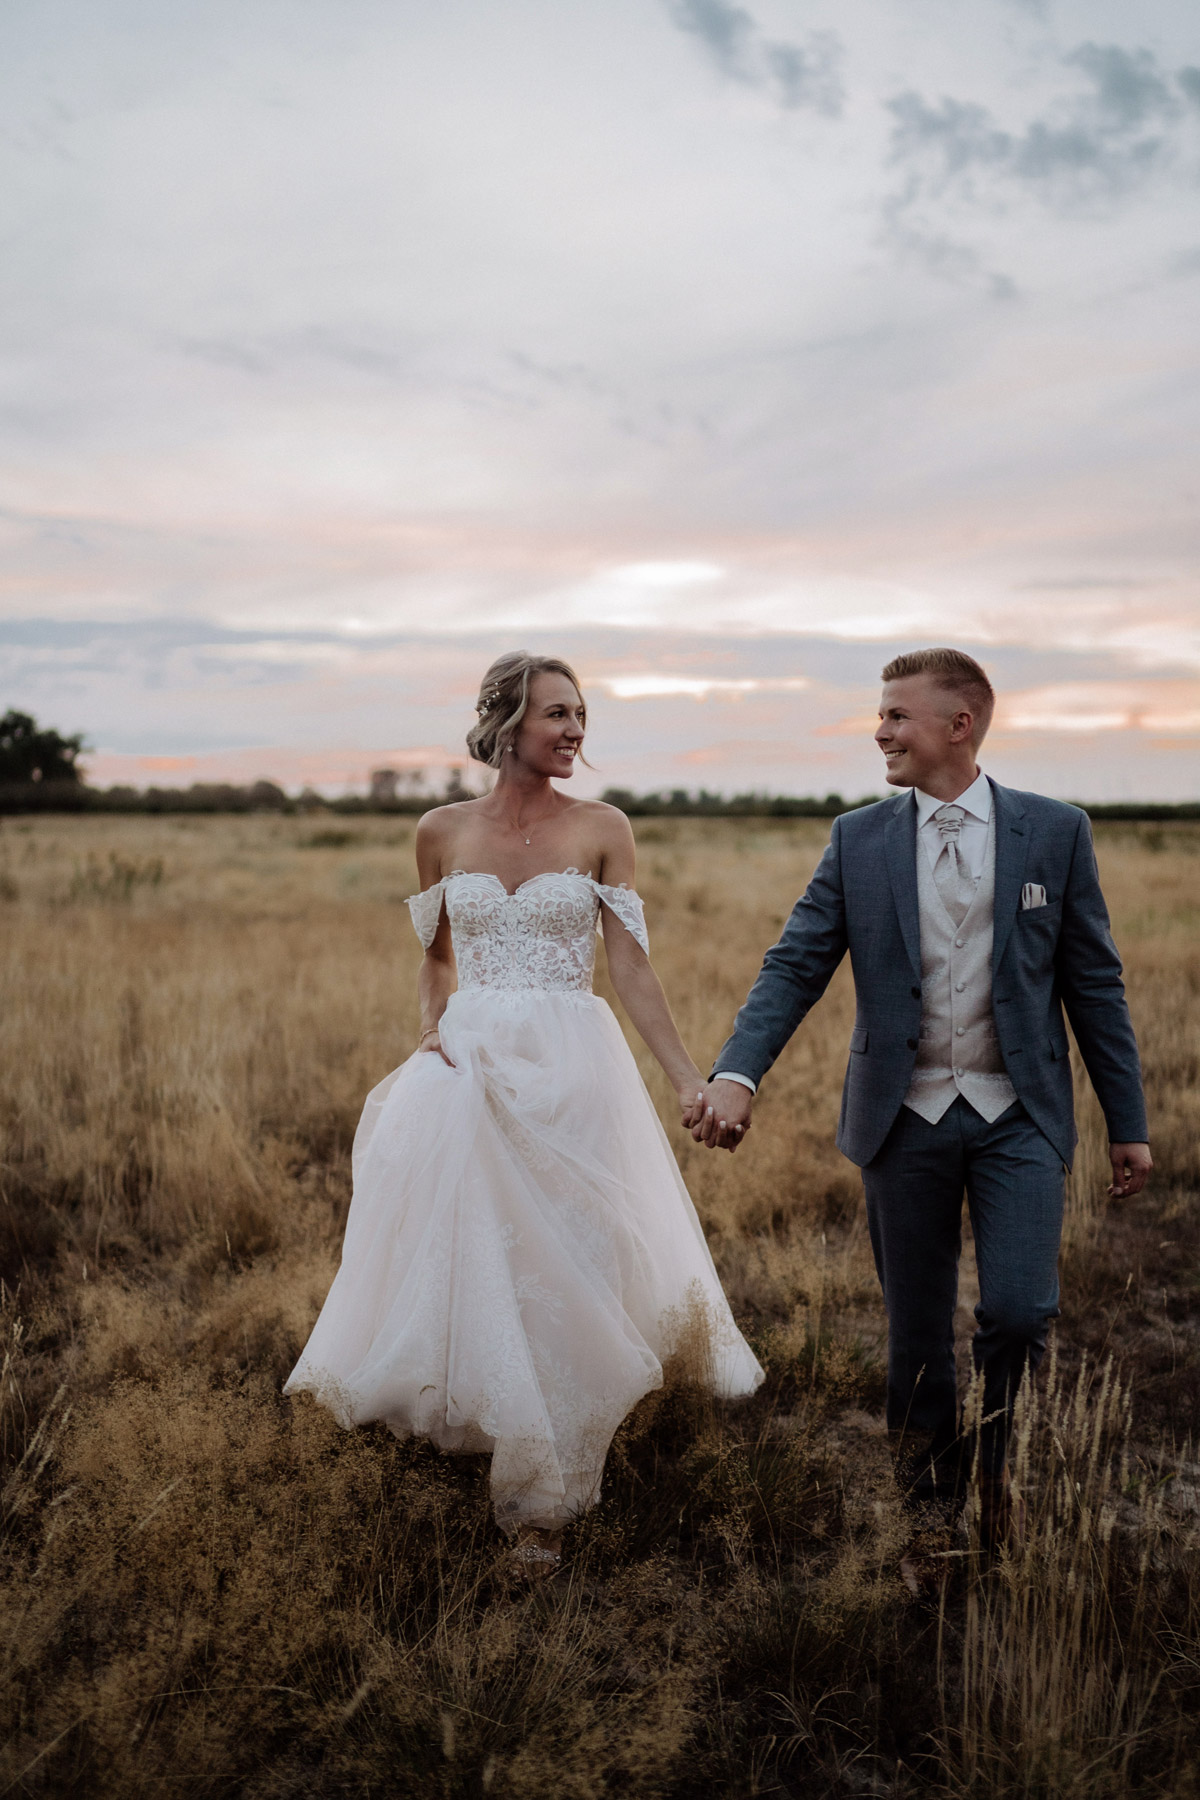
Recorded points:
(503, 699)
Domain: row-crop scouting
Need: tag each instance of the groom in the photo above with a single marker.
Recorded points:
(973, 915)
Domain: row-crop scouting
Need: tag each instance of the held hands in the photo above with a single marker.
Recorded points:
(719, 1114)
(1131, 1166)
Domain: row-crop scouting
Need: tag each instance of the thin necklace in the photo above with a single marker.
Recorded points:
(521, 829)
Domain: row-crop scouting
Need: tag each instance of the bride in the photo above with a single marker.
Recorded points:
(521, 1251)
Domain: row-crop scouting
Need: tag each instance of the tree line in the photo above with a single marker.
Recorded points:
(39, 772)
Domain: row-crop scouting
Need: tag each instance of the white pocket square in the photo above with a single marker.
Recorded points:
(1032, 894)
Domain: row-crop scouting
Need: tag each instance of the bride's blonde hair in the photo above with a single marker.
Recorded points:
(503, 699)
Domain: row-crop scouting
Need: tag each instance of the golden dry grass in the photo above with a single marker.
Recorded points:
(210, 1591)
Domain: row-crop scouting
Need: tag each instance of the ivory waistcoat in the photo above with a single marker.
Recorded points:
(958, 1052)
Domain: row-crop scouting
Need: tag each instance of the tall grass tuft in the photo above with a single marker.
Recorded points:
(1049, 1680)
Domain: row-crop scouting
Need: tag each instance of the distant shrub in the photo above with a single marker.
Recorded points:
(45, 796)
(216, 797)
(32, 753)
(330, 839)
(115, 879)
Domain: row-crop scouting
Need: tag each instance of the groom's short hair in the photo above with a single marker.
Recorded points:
(958, 674)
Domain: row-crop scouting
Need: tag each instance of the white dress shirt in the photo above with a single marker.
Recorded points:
(976, 802)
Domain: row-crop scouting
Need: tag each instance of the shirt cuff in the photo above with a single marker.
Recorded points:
(744, 1080)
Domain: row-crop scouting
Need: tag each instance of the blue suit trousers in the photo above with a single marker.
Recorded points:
(1013, 1179)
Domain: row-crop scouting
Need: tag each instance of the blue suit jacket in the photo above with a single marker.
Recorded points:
(863, 898)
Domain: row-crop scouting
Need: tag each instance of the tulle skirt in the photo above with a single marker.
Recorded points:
(521, 1253)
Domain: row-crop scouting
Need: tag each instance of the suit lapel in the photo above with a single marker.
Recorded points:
(900, 853)
(1012, 848)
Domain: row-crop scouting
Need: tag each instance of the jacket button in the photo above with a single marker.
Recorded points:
(916, 993)
(912, 1043)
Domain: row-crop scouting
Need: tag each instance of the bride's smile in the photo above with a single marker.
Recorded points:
(550, 735)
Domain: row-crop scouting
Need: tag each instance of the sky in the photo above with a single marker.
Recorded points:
(723, 349)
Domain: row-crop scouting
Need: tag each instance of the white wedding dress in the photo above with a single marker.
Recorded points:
(521, 1252)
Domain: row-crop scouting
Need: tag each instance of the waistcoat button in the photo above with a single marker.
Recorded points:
(958, 943)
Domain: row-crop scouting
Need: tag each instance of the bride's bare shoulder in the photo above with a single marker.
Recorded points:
(610, 837)
(442, 822)
(437, 833)
(607, 822)
(601, 809)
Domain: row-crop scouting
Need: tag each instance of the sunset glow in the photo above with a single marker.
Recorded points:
(583, 329)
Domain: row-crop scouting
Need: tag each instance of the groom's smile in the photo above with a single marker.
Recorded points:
(925, 735)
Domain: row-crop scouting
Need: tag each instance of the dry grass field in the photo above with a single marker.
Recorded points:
(211, 1591)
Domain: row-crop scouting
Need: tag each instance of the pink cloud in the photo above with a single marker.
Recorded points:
(1102, 706)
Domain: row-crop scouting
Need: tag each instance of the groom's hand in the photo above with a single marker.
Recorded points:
(725, 1119)
(1131, 1166)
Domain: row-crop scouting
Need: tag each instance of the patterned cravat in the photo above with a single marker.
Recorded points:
(951, 876)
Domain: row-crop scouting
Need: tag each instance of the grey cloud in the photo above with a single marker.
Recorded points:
(1130, 92)
(962, 135)
(1189, 82)
(727, 31)
(635, 415)
(573, 377)
(335, 346)
(1082, 158)
(941, 254)
(807, 75)
(164, 685)
(267, 353)
(1095, 143)
(158, 635)
(160, 646)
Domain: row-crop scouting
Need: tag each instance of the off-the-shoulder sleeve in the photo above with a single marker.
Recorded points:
(628, 907)
(426, 910)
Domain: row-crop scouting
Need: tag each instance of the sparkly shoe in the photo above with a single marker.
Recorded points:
(534, 1560)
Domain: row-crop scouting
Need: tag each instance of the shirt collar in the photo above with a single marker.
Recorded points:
(976, 800)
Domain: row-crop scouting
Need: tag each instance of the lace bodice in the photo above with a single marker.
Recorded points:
(543, 936)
